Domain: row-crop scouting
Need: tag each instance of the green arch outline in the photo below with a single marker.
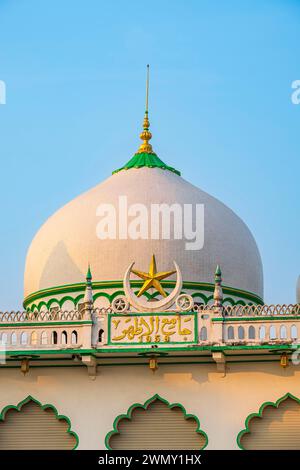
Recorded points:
(111, 297)
(101, 294)
(259, 414)
(201, 295)
(68, 297)
(29, 398)
(69, 288)
(144, 406)
(40, 305)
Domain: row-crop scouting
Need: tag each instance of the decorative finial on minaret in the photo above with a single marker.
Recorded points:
(89, 274)
(146, 135)
(218, 292)
(88, 295)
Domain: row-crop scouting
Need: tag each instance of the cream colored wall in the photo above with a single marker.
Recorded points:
(221, 403)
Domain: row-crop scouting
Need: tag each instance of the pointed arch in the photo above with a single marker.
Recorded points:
(28, 400)
(144, 407)
(260, 415)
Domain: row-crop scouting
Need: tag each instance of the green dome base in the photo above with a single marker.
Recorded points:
(149, 160)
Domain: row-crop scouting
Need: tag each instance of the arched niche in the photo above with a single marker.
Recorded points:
(31, 426)
(276, 426)
(156, 424)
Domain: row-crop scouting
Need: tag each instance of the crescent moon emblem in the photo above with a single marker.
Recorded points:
(145, 306)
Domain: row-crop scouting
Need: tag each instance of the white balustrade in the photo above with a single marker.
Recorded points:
(229, 325)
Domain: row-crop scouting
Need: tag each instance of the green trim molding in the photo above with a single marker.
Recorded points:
(144, 406)
(143, 364)
(276, 404)
(79, 288)
(144, 349)
(29, 398)
(149, 160)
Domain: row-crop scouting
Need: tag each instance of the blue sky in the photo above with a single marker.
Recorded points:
(220, 111)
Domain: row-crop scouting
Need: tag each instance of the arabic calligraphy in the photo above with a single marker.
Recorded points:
(152, 328)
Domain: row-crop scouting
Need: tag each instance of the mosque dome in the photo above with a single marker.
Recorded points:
(59, 254)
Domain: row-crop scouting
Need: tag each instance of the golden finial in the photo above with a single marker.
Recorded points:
(146, 135)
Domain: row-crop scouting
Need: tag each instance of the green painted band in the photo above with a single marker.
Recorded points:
(143, 356)
(80, 287)
(120, 364)
(94, 352)
(39, 352)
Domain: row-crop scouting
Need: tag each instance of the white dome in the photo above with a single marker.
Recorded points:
(61, 250)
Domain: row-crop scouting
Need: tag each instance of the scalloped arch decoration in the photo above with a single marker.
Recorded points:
(156, 424)
(110, 297)
(33, 429)
(275, 426)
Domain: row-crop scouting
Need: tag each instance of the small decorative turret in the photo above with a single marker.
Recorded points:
(87, 316)
(88, 295)
(89, 275)
(218, 292)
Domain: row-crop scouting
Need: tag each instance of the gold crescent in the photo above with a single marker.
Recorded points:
(143, 305)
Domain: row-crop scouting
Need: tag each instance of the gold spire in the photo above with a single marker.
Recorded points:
(146, 135)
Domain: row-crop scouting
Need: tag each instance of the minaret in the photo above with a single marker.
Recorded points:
(88, 295)
(87, 329)
(218, 292)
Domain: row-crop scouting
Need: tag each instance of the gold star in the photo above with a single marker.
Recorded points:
(152, 278)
